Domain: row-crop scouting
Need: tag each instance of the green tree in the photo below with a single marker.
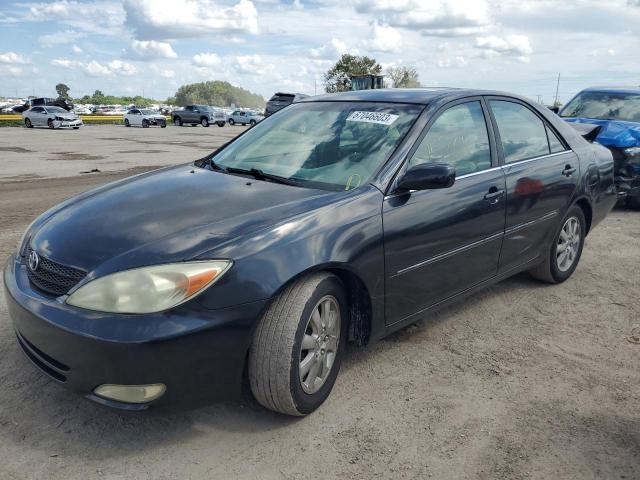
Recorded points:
(404, 77)
(338, 78)
(221, 94)
(62, 90)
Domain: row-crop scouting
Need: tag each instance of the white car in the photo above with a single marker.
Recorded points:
(50, 116)
(245, 117)
(142, 117)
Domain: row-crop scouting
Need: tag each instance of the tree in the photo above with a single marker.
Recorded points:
(218, 93)
(338, 78)
(63, 90)
(404, 77)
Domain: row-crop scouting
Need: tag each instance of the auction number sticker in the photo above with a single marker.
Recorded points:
(372, 117)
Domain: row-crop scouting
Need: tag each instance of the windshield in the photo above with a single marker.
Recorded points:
(147, 112)
(332, 145)
(605, 106)
(204, 108)
(56, 110)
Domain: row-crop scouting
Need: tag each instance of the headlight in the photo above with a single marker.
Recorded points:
(148, 289)
(632, 152)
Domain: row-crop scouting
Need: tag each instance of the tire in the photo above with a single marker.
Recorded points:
(552, 269)
(275, 356)
(126, 122)
(27, 123)
(252, 123)
(76, 128)
(145, 123)
(177, 121)
(220, 124)
(244, 124)
(232, 121)
(163, 125)
(50, 124)
(204, 122)
(633, 202)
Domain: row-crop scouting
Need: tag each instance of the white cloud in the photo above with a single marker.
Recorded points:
(432, 17)
(14, 58)
(97, 69)
(76, 49)
(457, 61)
(102, 16)
(252, 64)
(11, 70)
(60, 38)
(332, 50)
(151, 49)
(152, 19)
(385, 39)
(206, 59)
(510, 45)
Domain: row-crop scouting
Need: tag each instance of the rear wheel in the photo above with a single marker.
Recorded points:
(220, 124)
(126, 122)
(298, 346)
(27, 123)
(204, 122)
(565, 251)
(177, 121)
(633, 202)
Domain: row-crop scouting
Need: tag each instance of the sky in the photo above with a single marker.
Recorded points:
(151, 47)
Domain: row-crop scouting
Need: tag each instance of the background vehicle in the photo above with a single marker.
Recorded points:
(245, 117)
(50, 116)
(43, 101)
(142, 117)
(281, 100)
(198, 114)
(616, 111)
(367, 82)
(347, 217)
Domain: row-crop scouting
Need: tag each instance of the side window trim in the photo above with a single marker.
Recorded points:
(498, 140)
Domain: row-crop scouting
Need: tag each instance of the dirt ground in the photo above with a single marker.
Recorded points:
(520, 381)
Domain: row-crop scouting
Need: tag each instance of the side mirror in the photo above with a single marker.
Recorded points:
(427, 176)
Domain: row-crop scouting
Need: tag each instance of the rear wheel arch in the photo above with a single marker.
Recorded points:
(585, 205)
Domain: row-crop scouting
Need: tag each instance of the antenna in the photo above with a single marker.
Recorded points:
(555, 102)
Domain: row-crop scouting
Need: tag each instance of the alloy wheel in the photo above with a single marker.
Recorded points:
(568, 244)
(319, 344)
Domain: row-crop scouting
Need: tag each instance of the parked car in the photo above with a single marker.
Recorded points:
(616, 111)
(281, 100)
(245, 117)
(198, 114)
(52, 117)
(143, 117)
(43, 101)
(344, 218)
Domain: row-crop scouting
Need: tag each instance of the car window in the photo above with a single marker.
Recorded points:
(135, 112)
(37, 109)
(604, 105)
(555, 145)
(522, 132)
(458, 137)
(189, 108)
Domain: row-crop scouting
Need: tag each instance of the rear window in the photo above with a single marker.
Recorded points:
(282, 98)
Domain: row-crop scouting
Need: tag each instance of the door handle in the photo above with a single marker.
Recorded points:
(494, 195)
(568, 170)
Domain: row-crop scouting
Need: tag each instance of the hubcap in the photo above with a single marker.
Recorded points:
(319, 344)
(568, 244)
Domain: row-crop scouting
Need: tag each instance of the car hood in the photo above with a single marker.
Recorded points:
(614, 133)
(173, 214)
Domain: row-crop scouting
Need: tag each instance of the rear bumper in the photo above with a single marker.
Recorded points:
(198, 354)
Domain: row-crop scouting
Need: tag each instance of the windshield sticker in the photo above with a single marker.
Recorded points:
(372, 117)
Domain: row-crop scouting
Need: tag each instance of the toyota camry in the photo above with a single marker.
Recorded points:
(340, 218)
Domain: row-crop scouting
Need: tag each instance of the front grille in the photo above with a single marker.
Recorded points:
(53, 278)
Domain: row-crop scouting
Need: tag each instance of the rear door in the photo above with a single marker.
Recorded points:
(541, 174)
(441, 242)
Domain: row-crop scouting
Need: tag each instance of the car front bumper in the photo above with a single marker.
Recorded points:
(67, 123)
(198, 354)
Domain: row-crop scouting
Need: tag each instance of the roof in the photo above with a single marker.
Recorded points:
(619, 89)
(421, 96)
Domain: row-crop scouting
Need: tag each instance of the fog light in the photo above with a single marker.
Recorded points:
(131, 393)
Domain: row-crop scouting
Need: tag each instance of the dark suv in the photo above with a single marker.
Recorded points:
(281, 100)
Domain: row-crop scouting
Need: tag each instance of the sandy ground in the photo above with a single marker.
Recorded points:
(521, 381)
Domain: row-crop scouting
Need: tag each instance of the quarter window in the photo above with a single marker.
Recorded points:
(458, 137)
(555, 145)
(522, 133)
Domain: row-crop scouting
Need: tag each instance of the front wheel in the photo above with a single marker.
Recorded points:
(204, 122)
(220, 124)
(177, 122)
(297, 348)
(232, 121)
(27, 123)
(633, 202)
(252, 123)
(50, 124)
(565, 251)
(126, 122)
(145, 123)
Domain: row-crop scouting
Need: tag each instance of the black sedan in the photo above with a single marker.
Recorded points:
(340, 218)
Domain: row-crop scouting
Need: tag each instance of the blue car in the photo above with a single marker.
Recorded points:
(616, 111)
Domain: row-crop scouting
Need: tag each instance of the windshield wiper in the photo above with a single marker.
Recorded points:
(216, 166)
(260, 175)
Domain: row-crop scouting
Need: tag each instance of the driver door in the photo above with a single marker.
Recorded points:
(441, 242)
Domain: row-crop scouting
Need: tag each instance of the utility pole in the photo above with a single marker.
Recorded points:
(555, 102)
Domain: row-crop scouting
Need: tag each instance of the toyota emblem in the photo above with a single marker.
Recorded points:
(34, 261)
